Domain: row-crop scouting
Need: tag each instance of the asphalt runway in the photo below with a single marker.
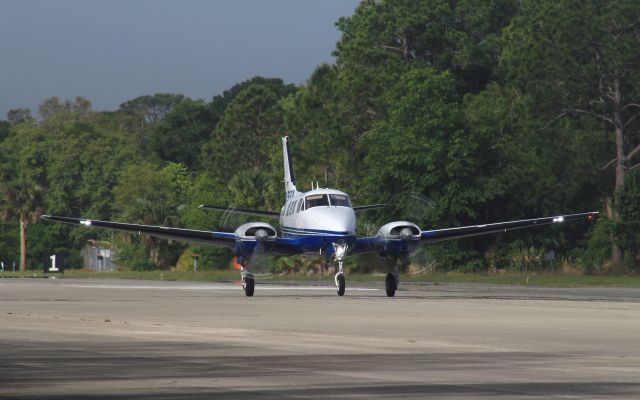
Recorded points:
(104, 339)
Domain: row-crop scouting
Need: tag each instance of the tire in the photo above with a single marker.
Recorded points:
(341, 285)
(390, 284)
(249, 287)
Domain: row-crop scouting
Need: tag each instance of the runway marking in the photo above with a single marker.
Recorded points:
(218, 287)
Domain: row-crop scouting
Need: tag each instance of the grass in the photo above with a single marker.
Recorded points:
(533, 279)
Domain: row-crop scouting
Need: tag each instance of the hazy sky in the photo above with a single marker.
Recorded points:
(111, 51)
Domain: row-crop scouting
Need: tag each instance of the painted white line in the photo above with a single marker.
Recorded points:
(214, 287)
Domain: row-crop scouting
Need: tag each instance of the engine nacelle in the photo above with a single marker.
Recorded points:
(400, 239)
(403, 230)
(259, 231)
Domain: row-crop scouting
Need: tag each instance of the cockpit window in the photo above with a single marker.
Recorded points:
(316, 200)
(340, 200)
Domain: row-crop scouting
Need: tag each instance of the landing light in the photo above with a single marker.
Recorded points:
(558, 219)
(86, 222)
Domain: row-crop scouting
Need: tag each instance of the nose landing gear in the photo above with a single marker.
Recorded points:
(340, 283)
(340, 250)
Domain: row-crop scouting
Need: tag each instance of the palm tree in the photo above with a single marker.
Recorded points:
(23, 200)
(22, 179)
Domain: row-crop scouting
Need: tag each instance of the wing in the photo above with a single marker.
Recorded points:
(380, 243)
(238, 210)
(439, 235)
(368, 207)
(186, 235)
(279, 246)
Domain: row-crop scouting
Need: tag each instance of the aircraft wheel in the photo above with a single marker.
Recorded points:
(391, 284)
(340, 282)
(248, 286)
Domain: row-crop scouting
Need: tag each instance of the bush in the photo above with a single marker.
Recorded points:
(626, 230)
(595, 257)
(133, 257)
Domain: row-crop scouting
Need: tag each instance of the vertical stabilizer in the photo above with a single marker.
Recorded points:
(289, 182)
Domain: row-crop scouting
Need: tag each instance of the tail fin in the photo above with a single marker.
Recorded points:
(289, 182)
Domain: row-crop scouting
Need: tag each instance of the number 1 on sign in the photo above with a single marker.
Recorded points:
(53, 264)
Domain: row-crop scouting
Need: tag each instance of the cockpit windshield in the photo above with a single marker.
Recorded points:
(316, 200)
(339, 200)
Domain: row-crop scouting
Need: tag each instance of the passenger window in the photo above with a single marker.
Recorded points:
(316, 200)
(339, 200)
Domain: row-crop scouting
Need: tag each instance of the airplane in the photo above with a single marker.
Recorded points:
(318, 222)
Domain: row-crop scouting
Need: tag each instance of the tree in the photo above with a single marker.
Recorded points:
(52, 107)
(628, 203)
(385, 39)
(152, 109)
(578, 60)
(23, 181)
(416, 149)
(179, 137)
(245, 135)
(5, 129)
(145, 112)
(19, 115)
(153, 196)
(315, 118)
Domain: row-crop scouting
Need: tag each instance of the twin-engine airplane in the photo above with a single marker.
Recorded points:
(320, 221)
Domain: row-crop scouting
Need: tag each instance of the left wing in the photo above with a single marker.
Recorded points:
(398, 243)
(227, 239)
(440, 235)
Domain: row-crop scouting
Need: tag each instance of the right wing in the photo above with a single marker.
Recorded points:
(226, 239)
(238, 210)
(279, 246)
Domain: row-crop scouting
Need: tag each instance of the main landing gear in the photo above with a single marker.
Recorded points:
(391, 284)
(395, 264)
(248, 282)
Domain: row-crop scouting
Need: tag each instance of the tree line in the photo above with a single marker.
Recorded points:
(453, 113)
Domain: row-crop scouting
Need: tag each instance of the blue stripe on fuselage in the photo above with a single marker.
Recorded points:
(313, 240)
(306, 232)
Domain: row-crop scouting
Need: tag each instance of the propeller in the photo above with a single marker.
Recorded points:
(418, 210)
(257, 260)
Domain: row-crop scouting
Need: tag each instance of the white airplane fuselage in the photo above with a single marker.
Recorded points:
(319, 216)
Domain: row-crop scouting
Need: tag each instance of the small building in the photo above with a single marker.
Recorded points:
(98, 256)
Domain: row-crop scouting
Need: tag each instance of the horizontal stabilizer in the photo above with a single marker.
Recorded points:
(369, 207)
(239, 210)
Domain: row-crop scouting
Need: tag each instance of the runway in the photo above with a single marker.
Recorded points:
(104, 339)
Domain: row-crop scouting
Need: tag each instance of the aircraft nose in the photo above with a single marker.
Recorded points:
(342, 220)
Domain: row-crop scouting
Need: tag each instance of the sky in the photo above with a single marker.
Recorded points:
(116, 50)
